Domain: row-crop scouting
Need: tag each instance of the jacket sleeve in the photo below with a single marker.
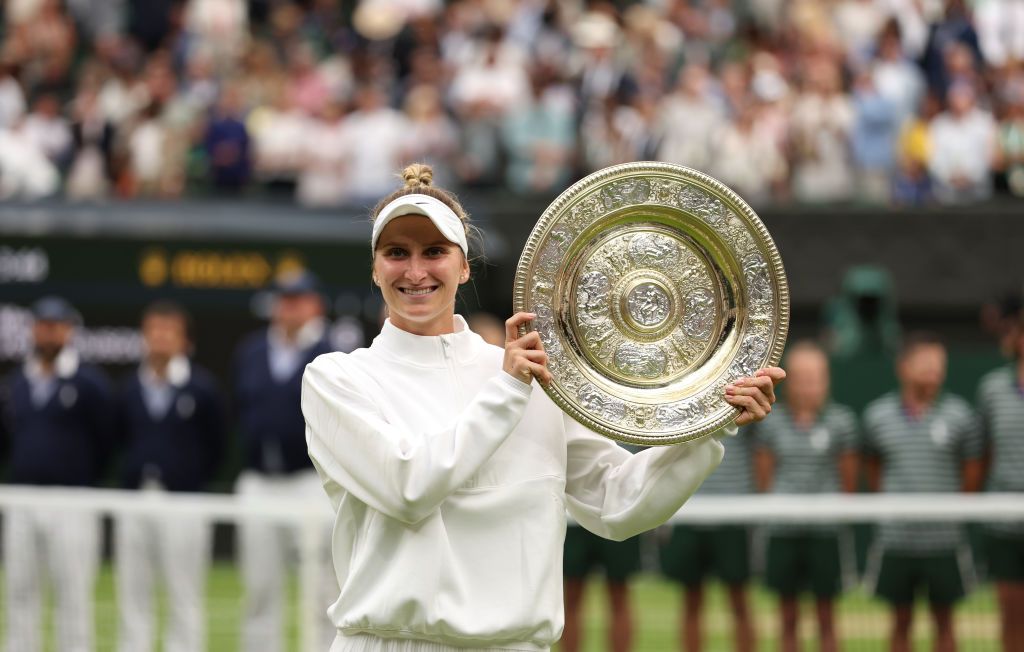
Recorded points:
(616, 495)
(404, 473)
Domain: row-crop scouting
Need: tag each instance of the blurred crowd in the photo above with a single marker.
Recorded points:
(878, 101)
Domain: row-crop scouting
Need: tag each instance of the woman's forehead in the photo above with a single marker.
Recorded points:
(411, 229)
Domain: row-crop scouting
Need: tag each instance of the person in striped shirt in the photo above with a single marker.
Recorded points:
(695, 553)
(921, 440)
(1001, 408)
(806, 446)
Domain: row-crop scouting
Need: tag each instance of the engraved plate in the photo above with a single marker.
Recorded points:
(654, 287)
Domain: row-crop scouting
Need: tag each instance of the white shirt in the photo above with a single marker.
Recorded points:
(451, 479)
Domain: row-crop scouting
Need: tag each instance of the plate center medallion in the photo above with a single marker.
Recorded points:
(648, 304)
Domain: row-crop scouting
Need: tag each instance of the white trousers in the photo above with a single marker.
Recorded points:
(177, 548)
(265, 550)
(64, 546)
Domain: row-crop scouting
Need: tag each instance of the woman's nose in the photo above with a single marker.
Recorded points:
(416, 271)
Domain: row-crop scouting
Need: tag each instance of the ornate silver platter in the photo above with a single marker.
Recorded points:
(654, 286)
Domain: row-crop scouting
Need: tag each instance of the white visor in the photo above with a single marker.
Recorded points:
(444, 218)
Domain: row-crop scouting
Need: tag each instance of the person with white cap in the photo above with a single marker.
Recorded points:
(267, 374)
(59, 426)
(449, 475)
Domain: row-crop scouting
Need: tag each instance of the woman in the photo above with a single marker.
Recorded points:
(450, 475)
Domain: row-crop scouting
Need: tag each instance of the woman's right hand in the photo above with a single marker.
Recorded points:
(525, 358)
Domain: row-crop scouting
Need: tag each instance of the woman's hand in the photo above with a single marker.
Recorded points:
(525, 358)
(754, 395)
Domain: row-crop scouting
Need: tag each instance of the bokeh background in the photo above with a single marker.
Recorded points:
(197, 149)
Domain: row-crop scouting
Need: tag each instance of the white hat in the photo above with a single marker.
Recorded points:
(443, 217)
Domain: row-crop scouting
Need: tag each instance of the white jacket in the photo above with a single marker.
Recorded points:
(451, 480)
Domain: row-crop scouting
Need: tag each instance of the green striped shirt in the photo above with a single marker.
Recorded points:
(807, 458)
(735, 475)
(1001, 408)
(921, 455)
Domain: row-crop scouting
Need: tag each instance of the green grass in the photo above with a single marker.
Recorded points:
(863, 622)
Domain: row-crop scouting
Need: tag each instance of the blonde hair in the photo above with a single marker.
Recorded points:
(419, 179)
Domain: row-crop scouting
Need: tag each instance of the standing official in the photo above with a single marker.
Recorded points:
(808, 445)
(693, 554)
(171, 421)
(1001, 406)
(60, 429)
(920, 440)
(268, 387)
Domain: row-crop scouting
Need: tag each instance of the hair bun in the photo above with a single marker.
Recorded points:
(418, 174)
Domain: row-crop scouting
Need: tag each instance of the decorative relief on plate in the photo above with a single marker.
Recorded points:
(699, 314)
(641, 360)
(597, 402)
(654, 286)
(648, 304)
(759, 283)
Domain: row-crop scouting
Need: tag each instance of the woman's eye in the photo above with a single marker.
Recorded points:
(436, 251)
(394, 252)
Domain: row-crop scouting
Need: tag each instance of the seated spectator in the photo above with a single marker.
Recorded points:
(226, 143)
(48, 129)
(616, 132)
(911, 184)
(378, 141)
(821, 122)
(540, 138)
(872, 140)
(963, 147)
(322, 153)
(897, 78)
(25, 170)
(747, 158)
(91, 173)
(1010, 145)
(687, 120)
(12, 97)
(434, 138)
(278, 130)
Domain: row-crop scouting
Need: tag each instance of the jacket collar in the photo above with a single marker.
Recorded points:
(310, 333)
(65, 366)
(428, 350)
(179, 371)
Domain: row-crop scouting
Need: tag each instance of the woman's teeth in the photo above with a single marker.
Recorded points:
(418, 291)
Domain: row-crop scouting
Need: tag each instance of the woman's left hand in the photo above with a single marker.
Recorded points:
(754, 395)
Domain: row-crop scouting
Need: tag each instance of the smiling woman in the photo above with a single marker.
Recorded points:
(449, 475)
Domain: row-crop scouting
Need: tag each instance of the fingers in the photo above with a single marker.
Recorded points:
(752, 410)
(529, 341)
(513, 323)
(777, 374)
(762, 384)
(754, 393)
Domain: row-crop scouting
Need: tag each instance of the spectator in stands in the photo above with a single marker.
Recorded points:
(307, 88)
(896, 77)
(279, 131)
(12, 97)
(616, 132)
(821, 122)
(267, 375)
(1010, 143)
(60, 429)
(171, 430)
(808, 445)
(955, 30)
(147, 146)
(858, 23)
(618, 561)
(747, 156)
(912, 185)
(963, 148)
(91, 173)
(322, 150)
(694, 554)
(25, 170)
(920, 439)
(433, 137)
(1001, 408)
(688, 120)
(540, 138)
(1000, 27)
(226, 143)
(872, 140)
(377, 138)
(48, 129)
